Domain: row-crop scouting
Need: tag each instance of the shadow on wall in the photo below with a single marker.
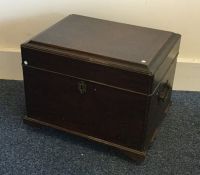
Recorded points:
(15, 32)
(10, 65)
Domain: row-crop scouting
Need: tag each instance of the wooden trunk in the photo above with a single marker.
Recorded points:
(105, 81)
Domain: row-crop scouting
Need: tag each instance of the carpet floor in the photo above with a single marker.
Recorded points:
(26, 150)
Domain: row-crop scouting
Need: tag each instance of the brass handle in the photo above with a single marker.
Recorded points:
(164, 92)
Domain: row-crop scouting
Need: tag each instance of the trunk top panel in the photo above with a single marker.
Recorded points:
(132, 46)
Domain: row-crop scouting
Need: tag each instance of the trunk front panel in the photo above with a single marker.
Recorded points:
(97, 110)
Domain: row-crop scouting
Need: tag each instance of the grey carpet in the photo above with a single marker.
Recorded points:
(25, 150)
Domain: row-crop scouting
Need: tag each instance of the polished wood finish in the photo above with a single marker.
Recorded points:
(84, 81)
(109, 39)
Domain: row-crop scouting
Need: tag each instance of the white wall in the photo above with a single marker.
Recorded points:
(22, 19)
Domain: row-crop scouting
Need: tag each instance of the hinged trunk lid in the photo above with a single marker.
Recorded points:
(119, 55)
